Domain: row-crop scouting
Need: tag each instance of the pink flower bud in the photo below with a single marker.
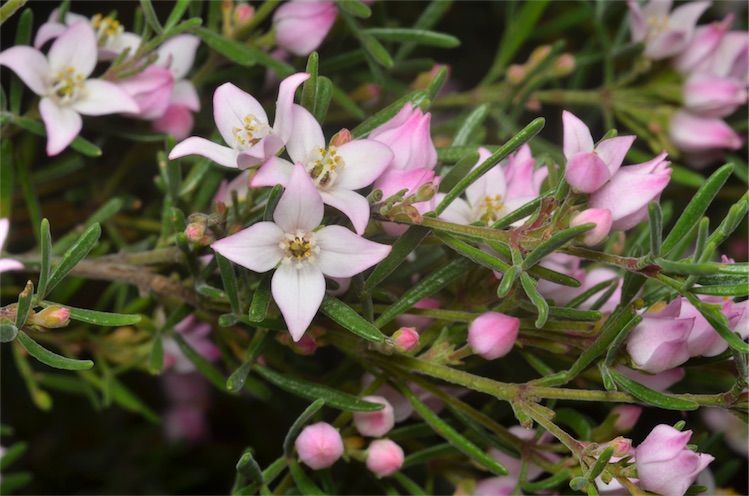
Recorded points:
(493, 334)
(302, 25)
(601, 217)
(243, 12)
(319, 445)
(195, 231)
(52, 317)
(384, 457)
(306, 345)
(341, 137)
(406, 339)
(622, 446)
(378, 423)
(713, 96)
(694, 134)
(627, 417)
(151, 89)
(664, 463)
(408, 135)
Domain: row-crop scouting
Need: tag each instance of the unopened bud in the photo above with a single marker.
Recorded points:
(377, 423)
(425, 192)
(243, 13)
(341, 137)
(366, 93)
(493, 334)
(406, 339)
(602, 219)
(564, 64)
(384, 457)
(516, 74)
(622, 446)
(319, 445)
(306, 345)
(538, 55)
(52, 317)
(195, 231)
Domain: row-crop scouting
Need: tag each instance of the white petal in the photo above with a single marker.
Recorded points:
(577, 136)
(344, 254)
(255, 247)
(365, 161)
(458, 212)
(75, 48)
(48, 31)
(230, 106)
(178, 54)
(352, 204)
(490, 185)
(284, 115)
(306, 135)
(62, 123)
(200, 146)
(125, 41)
(300, 206)
(274, 171)
(102, 97)
(185, 94)
(298, 293)
(29, 65)
(4, 227)
(8, 264)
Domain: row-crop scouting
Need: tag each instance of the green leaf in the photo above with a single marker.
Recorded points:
(451, 435)
(204, 366)
(508, 280)
(600, 465)
(23, 37)
(7, 186)
(696, 208)
(233, 50)
(698, 269)
(229, 279)
(656, 227)
(49, 358)
(458, 171)
(542, 307)
(470, 124)
(519, 213)
(402, 247)
(309, 88)
(347, 318)
(12, 454)
(36, 127)
(555, 242)
(355, 8)
(437, 82)
(8, 331)
(327, 91)
(299, 423)
(104, 319)
(548, 483)
(313, 391)
(429, 18)
(24, 304)
(72, 256)
(303, 483)
(248, 467)
(728, 290)
(650, 397)
(474, 254)
(416, 36)
(12, 482)
(156, 357)
(150, 15)
(180, 6)
(260, 301)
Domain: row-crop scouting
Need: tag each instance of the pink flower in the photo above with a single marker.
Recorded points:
(336, 171)
(111, 37)
(664, 32)
(195, 334)
(664, 463)
(495, 486)
(60, 79)
(7, 264)
(627, 417)
(384, 457)
(244, 126)
(659, 342)
(226, 190)
(177, 55)
(713, 96)
(704, 340)
(375, 424)
(150, 89)
(301, 253)
(590, 166)
(657, 382)
(319, 445)
(406, 339)
(409, 137)
(301, 25)
(706, 40)
(730, 58)
(493, 334)
(419, 321)
(601, 217)
(695, 134)
(630, 190)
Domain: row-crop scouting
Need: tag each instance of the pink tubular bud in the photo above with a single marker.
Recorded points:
(406, 339)
(378, 423)
(622, 446)
(319, 445)
(384, 457)
(493, 334)
(195, 231)
(52, 317)
(341, 137)
(243, 12)
(601, 217)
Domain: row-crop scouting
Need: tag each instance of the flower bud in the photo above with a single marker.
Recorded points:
(378, 423)
(622, 446)
(341, 137)
(627, 417)
(564, 64)
(406, 339)
(195, 231)
(52, 317)
(243, 13)
(408, 135)
(694, 134)
(493, 334)
(516, 73)
(601, 217)
(713, 96)
(301, 26)
(319, 445)
(384, 457)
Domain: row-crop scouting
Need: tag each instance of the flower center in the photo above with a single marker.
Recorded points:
(490, 209)
(250, 133)
(656, 25)
(107, 28)
(67, 85)
(299, 248)
(323, 165)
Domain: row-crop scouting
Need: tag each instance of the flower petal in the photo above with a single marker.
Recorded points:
(8, 265)
(298, 294)
(344, 254)
(255, 247)
(612, 151)
(586, 172)
(200, 146)
(230, 107)
(577, 136)
(62, 123)
(75, 48)
(185, 95)
(260, 152)
(300, 206)
(352, 204)
(48, 31)
(30, 66)
(458, 212)
(129, 41)
(275, 171)
(4, 228)
(178, 54)
(365, 161)
(100, 97)
(284, 119)
(177, 121)
(306, 135)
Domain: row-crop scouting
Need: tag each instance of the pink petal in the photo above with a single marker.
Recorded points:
(274, 171)
(260, 152)
(48, 31)
(177, 121)
(352, 204)
(306, 135)
(185, 95)
(613, 150)
(365, 161)
(300, 206)
(663, 442)
(75, 48)
(222, 155)
(637, 22)
(628, 192)
(657, 382)
(8, 265)
(298, 294)
(230, 107)
(283, 122)
(62, 123)
(4, 228)
(394, 122)
(178, 54)
(586, 172)
(656, 345)
(29, 65)
(100, 97)
(694, 134)
(577, 136)
(344, 254)
(302, 26)
(255, 247)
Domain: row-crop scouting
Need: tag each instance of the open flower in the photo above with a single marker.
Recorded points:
(7, 264)
(244, 126)
(60, 79)
(302, 25)
(665, 33)
(111, 37)
(301, 252)
(590, 166)
(659, 342)
(336, 170)
(177, 55)
(150, 89)
(408, 134)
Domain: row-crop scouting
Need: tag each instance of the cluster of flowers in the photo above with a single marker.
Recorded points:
(715, 64)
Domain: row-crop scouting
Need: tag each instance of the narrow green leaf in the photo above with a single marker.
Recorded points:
(719, 322)
(518, 213)
(24, 304)
(429, 18)
(49, 358)
(23, 37)
(156, 357)
(229, 278)
(260, 301)
(620, 338)
(72, 256)
(650, 397)
(601, 462)
(104, 319)
(233, 50)
(416, 36)
(355, 8)
(696, 208)
(326, 91)
(732, 290)
(8, 331)
(303, 483)
(7, 182)
(472, 253)
(12, 454)
(508, 280)
(180, 6)
(270, 206)
(309, 88)
(656, 227)
(402, 247)
(312, 391)
(542, 307)
(248, 467)
(347, 318)
(204, 366)
(150, 15)
(555, 242)
(548, 483)
(437, 82)
(470, 124)
(699, 269)
(299, 423)
(458, 171)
